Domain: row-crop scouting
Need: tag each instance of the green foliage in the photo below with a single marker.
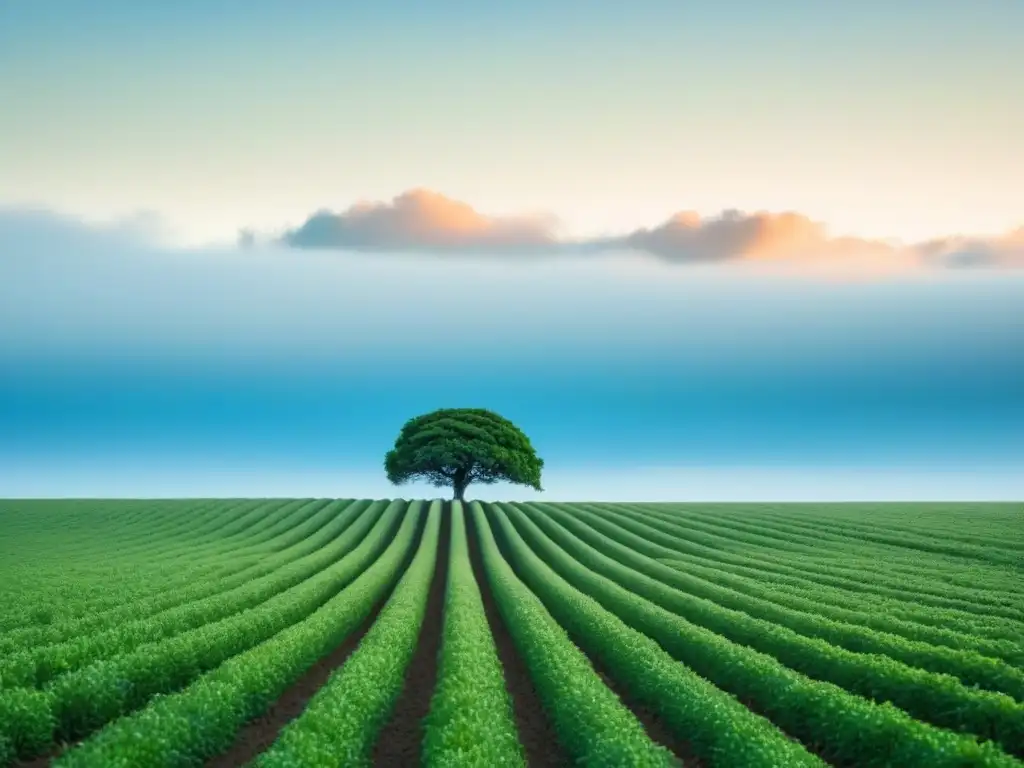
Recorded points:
(676, 541)
(33, 723)
(715, 533)
(39, 665)
(471, 723)
(861, 548)
(341, 722)
(458, 446)
(970, 668)
(927, 592)
(157, 628)
(593, 725)
(88, 698)
(90, 606)
(233, 567)
(52, 600)
(849, 729)
(719, 728)
(820, 601)
(200, 722)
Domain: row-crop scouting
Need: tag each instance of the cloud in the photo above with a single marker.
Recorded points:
(1005, 251)
(78, 292)
(733, 235)
(246, 237)
(421, 220)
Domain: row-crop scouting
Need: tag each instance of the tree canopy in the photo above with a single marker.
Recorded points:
(458, 446)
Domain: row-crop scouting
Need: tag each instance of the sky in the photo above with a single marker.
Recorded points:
(742, 251)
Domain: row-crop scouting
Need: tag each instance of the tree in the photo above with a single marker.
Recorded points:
(458, 446)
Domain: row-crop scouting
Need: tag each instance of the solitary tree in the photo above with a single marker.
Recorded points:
(458, 446)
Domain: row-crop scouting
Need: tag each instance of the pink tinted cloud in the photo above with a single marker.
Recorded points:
(425, 220)
(686, 237)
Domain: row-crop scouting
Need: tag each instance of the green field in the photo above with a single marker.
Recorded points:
(340, 632)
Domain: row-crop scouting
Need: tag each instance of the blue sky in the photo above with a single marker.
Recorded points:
(132, 369)
(525, 208)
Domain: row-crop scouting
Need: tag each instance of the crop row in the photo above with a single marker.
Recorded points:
(592, 724)
(41, 585)
(821, 601)
(937, 698)
(169, 527)
(70, 525)
(166, 568)
(257, 537)
(288, 546)
(717, 726)
(80, 631)
(341, 723)
(56, 527)
(120, 585)
(202, 720)
(228, 534)
(844, 728)
(994, 637)
(471, 721)
(741, 659)
(980, 600)
(38, 666)
(671, 550)
(816, 546)
(82, 701)
(774, 572)
(844, 533)
(68, 593)
(854, 527)
(970, 668)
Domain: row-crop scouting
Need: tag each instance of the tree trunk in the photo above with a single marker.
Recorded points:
(459, 485)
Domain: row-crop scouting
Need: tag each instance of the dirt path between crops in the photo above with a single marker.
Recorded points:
(257, 735)
(656, 729)
(40, 761)
(400, 740)
(536, 732)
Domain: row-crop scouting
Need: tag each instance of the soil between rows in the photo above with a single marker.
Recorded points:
(652, 722)
(40, 761)
(536, 732)
(258, 735)
(649, 718)
(400, 740)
